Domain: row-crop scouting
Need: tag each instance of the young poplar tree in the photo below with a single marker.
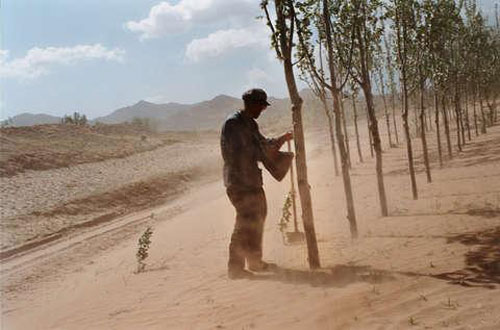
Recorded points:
(317, 15)
(319, 90)
(354, 96)
(389, 68)
(381, 83)
(362, 18)
(402, 12)
(282, 39)
(423, 66)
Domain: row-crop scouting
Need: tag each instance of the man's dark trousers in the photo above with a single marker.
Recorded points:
(246, 240)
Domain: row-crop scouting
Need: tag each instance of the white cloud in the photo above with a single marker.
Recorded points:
(165, 18)
(223, 41)
(269, 77)
(258, 77)
(38, 60)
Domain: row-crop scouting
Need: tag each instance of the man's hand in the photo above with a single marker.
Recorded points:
(276, 146)
(287, 136)
(282, 139)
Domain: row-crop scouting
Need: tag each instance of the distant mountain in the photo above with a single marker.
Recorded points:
(206, 115)
(142, 109)
(29, 119)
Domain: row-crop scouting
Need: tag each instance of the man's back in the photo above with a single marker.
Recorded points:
(241, 151)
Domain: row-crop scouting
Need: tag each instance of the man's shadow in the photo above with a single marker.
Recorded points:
(337, 276)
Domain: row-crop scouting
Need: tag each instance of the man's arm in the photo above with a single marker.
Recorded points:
(276, 143)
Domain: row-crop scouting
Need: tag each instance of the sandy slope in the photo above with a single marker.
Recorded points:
(434, 263)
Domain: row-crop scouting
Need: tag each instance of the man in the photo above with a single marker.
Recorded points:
(243, 146)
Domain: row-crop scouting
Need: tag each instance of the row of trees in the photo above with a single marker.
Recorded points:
(409, 52)
(75, 119)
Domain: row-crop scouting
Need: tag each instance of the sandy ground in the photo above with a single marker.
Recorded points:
(433, 263)
(35, 203)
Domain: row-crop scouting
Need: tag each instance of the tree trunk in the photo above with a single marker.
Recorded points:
(446, 126)
(329, 115)
(373, 124)
(300, 158)
(386, 111)
(483, 117)
(467, 120)
(402, 39)
(358, 144)
(351, 214)
(438, 133)
(346, 134)
(426, 121)
(409, 149)
(475, 112)
(394, 118)
(387, 121)
(491, 107)
(370, 137)
(457, 118)
(377, 144)
(422, 132)
(416, 121)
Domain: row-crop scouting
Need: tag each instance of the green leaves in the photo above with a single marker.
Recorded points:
(142, 252)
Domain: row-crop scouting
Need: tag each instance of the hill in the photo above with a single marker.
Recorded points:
(206, 115)
(142, 109)
(29, 119)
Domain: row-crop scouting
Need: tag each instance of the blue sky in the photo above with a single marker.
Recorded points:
(94, 56)
(60, 56)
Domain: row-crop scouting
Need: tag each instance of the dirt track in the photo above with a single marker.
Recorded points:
(433, 263)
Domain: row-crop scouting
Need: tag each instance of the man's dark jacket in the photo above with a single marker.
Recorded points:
(242, 147)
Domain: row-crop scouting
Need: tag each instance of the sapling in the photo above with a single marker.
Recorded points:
(142, 252)
(286, 214)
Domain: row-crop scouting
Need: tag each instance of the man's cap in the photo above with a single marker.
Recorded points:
(256, 96)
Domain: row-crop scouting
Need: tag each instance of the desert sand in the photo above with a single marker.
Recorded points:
(433, 263)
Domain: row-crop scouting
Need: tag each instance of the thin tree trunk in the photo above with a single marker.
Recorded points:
(427, 120)
(358, 144)
(438, 133)
(483, 117)
(351, 214)
(394, 118)
(462, 126)
(386, 111)
(329, 115)
(370, 137)
(300, 158)
(387, 121)
(416, 121)
(402, 39)
(446, 126)
(467, 120)
(475, 112)
(409, 149)
(457, 118)
(422, 132)
(346, 134)
(462, 121)
(377, 144)
(367, 90)
(492, 111)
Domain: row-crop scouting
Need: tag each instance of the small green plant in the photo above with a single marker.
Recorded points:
(285, 212)
(142, 252)
(412, 321)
